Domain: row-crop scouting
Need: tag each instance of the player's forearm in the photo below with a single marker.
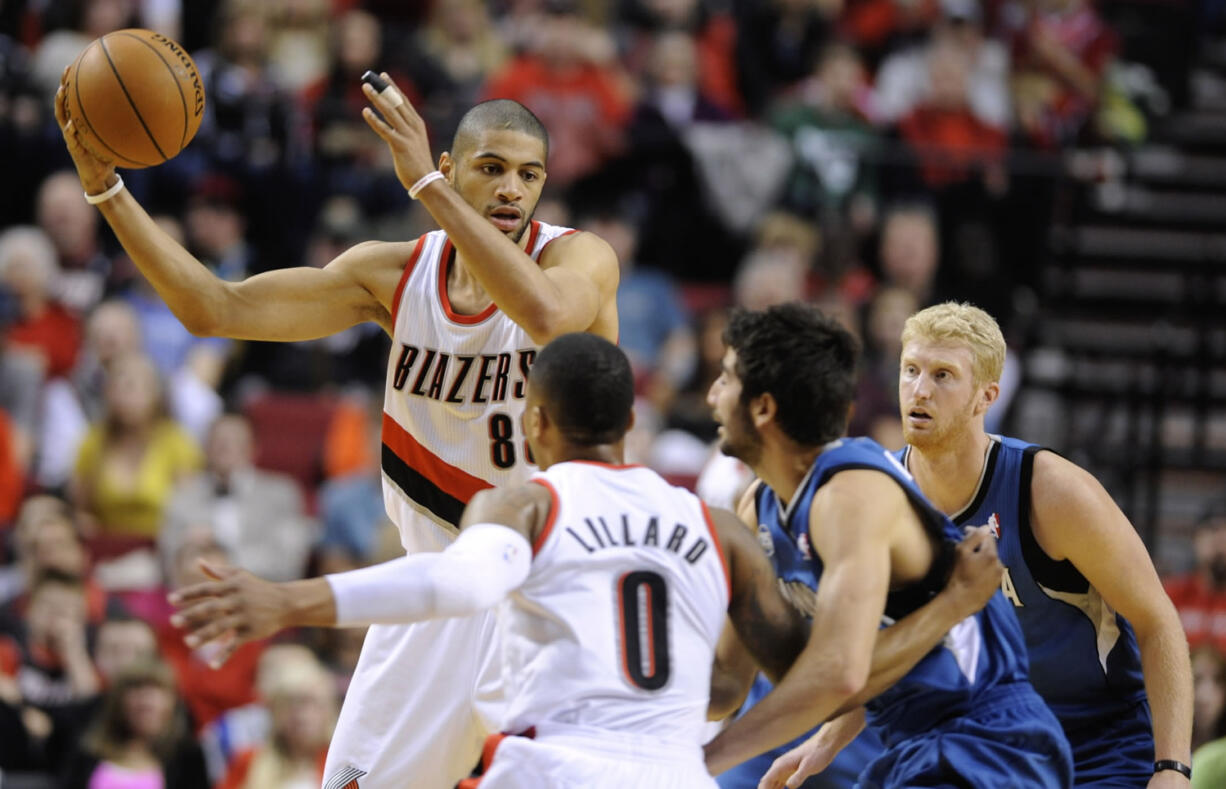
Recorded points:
(904, 644)
(801, 701)
(512, 279)
(1168, 684)
(192, 292)
(308, 603)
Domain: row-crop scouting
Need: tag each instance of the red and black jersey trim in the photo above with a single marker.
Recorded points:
(424, 477)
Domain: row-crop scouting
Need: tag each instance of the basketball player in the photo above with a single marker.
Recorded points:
(618, 583)
(1100, 630)
(467, 307)
(845, 512)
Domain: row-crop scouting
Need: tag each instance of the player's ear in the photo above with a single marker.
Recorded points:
(446, 164)
(762, 409)
(989, 395)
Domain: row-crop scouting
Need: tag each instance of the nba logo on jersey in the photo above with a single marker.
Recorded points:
(802, 542)
(994, 525)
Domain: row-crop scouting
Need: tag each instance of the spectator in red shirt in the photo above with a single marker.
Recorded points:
(1061, 51)
(571, 80)
(28, 269)
(951, 143)
(1200, 596)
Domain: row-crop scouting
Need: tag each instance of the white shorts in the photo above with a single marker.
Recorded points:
(422, 700)
(566, 757)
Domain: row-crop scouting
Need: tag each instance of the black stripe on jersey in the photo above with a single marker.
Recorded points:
(421, 490)
(1062, 575)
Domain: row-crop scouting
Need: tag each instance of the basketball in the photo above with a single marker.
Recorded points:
(135, 97)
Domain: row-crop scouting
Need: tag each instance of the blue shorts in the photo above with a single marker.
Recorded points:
(841, 774)
(1115, 750)
(1014, 740)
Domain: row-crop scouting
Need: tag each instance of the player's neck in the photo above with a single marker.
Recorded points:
(611, 454)
(949, 474)
(464, 290)
(784, 468)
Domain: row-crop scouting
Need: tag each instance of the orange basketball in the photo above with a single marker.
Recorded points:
(135, 97)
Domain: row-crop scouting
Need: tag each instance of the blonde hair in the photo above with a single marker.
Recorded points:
(961, 324)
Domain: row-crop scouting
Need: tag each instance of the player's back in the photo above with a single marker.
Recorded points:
(616, 627)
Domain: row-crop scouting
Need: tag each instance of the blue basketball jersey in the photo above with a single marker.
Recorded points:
(980, 656)
(1084, 659)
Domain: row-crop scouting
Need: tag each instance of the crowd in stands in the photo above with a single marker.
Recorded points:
(873, 156)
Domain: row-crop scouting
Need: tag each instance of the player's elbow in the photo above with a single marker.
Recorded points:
(847, 678)
(546, 324)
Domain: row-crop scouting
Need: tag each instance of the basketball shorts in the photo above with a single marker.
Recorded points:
(564, 757)
(1115, 750)
(422, 700)
(841, 774)
(1012, 741)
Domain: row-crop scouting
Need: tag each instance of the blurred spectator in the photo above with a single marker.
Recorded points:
(208, 691)
(1200, 595)
(21, 381)
(132, 456)
(833, 143)
(777, 44)
(257, 516)
(351, 501)
(30, 273)
(46, 541)
(876, 404)
(298, 42)
(878, 27)
(120, 643)
(456, 51)
(769, 276)
(24, 111)
(1209, 685)
(50, 659)
(72, 226)
(713, 30)
(950, 143)
(571, 80)
(60, 47)
(12, 469)
(250, 121)
(302, 705)
(244, 729)
(910, 250)
(1061, 51)
(139, 738)
(904, 78)
(216, 228)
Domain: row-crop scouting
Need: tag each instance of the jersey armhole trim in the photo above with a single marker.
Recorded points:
(719, 548)
(551, 519)
(404, 277)
(1062, 575)
(537, 256)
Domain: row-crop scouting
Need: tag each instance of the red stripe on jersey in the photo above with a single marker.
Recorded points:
(443, 267)
(404, 278)
(719, 549)
(553, 514)
(451, 480)
(550, 241)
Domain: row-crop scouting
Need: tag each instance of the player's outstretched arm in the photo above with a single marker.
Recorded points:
(1074, 518)
(574, 287)
(834, 665)
(289, 304)
(490, 558)
(814, 754)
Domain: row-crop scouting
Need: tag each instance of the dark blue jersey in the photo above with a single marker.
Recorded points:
(981, 655)
(1084, 659)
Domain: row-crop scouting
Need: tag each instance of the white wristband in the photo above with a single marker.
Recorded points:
(102, 197)
(424, 181)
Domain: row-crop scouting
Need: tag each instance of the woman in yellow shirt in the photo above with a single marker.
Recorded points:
(130, 460)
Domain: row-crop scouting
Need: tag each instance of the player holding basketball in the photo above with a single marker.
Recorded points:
(618, 590)
(846, 513)
(467, 307)
(1100, 630)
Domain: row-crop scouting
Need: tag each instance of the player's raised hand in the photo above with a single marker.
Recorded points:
(977, 570)
(232, 609)
(94, 171)
(792, 768)
(401, 128)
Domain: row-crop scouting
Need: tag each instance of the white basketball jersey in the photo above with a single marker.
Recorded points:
(453, 398)
(616, 626)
